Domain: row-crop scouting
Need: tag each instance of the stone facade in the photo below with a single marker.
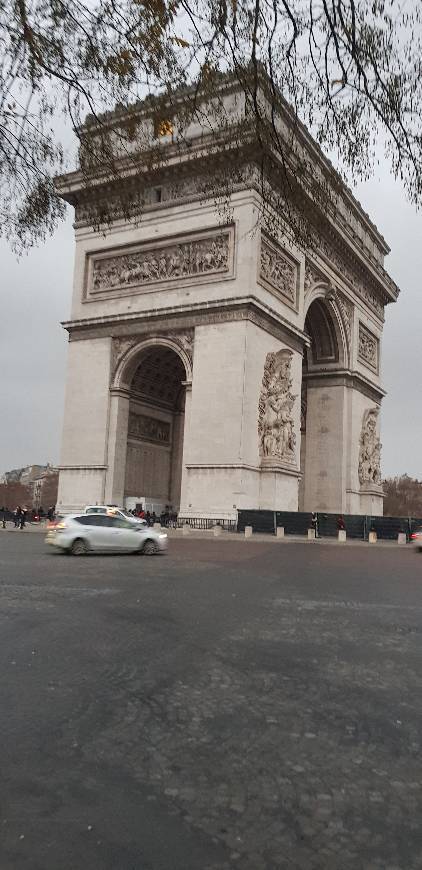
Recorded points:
(215, 367)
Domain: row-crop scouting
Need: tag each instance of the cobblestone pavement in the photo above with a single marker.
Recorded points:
(225, 706)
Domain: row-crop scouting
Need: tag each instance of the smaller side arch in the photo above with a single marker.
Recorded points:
(328, 295)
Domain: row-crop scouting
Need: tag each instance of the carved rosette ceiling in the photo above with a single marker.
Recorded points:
(369, 468)
(197, 258)
(368, 348)
(278, 271)
(123, 344)
(277, 439)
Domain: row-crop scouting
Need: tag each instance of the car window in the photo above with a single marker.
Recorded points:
(91, 520)
(93, 510)
(119, 522)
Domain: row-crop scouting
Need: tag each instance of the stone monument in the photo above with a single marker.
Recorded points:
(213, 366)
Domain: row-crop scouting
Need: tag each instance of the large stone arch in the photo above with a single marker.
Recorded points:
(149, 388)
(129, 356)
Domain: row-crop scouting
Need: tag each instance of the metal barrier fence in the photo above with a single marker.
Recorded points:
(356, 525)
(205, 523)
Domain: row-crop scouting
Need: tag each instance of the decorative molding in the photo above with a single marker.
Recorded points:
(121, 345)
(339, 262)
(197, 257)
(277, 439)
(346, 312)
(119, 348)
(155, 323)
(368, 348)
(279, 272)
(369, 468)
(313, 276)
(352, 380)
(148, 429)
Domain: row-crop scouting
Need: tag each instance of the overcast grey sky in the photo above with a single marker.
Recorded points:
(36, 293)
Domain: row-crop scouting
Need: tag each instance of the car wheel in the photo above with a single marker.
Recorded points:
(79, 548)
(149, 548)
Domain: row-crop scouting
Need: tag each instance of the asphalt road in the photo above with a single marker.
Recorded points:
(230, 705)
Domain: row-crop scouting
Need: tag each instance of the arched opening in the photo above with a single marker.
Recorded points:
(321, 408)
(155, 430)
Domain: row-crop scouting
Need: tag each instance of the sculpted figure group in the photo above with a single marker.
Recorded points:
(370, 449)
(275, 420)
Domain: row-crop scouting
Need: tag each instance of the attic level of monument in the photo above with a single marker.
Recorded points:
(219, 365)
(159, 184)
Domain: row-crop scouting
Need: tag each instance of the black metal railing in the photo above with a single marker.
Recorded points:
(205, 523)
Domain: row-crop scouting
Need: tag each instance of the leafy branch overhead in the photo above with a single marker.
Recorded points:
(350, 70)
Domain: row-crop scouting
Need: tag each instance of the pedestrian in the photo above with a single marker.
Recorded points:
(314, 522)
(22, 518)
(153, 518)
(3, 514)
(17, 516)
(148, 518)
(340, 524)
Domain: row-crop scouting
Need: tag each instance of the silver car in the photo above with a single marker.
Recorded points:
(98, 533)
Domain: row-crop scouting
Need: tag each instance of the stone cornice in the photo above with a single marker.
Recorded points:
(351, 379)
(188, 316)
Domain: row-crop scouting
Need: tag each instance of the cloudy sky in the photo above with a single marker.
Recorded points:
(35, 296)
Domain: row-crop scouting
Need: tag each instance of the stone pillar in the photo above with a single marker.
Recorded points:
(117, 447)
(185, 449)
(84, 444)
(177, 458)
(225, 465)
(326, 448)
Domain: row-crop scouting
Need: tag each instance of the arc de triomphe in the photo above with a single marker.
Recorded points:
(214, 367)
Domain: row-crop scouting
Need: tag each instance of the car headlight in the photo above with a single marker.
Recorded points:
(162, 536)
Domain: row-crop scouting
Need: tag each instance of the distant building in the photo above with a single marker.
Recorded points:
(33, 485)
(25, 475)
(44, 488)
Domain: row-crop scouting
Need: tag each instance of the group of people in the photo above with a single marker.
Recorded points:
(166, 518)
(149, 517)
(21, 515)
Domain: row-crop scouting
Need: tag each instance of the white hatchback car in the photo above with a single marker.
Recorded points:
(80, 534)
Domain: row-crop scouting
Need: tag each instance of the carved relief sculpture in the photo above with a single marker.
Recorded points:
(313, 276)
(370, 449)
(150, 265)
(149, 429)
(279, 270)
(368, 348)
(277, 439)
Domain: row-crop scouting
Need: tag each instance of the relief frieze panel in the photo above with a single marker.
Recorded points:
(198, 257)
(149, 429)
(277, 439)
(278, 271)
(369, 466)
(367, 348)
